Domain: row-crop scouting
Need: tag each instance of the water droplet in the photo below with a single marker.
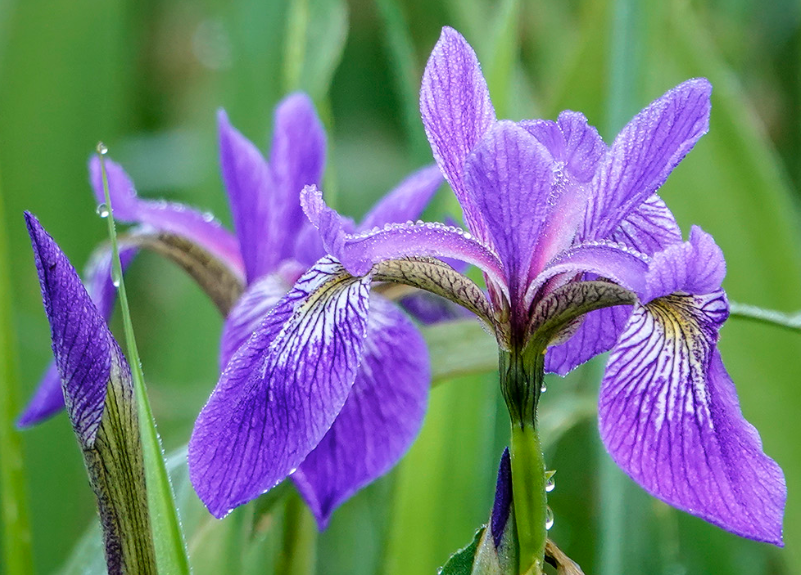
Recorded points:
(115, 282)
(548, 518)
(102, 149)
(468, 236)
(102, 210)
(550, 482)
(419, 222)
(208, 217)
(544, 388)
(115, 278)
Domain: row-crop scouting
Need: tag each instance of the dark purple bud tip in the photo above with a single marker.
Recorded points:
(503, 498)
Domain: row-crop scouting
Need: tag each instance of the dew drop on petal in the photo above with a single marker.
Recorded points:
(102, 210)
(548, 518)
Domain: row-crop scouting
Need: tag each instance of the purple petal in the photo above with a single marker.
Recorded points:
(381, 418)
(358, 253)
(598, 333)
(648, 229)
(170, 217)
(297, 159)
(670, 418)
(405, 202)
(282, 390)
(457, 112)
(570, 140)
(696, 267)
(83, 346)
(248, 313)
(48, 398)
(429, 309)
(509, 177)
(644, 154)
(249, 184)
(502, 506)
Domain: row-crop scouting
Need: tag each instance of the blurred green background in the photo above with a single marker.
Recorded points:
(146, 77)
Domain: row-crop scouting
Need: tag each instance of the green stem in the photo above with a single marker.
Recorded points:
(167, 534)
(530, 500)
(17, 553)
(768, 316)
(299, 552)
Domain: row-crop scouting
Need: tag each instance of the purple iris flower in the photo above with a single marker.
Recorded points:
(274, 244)
(563, 227)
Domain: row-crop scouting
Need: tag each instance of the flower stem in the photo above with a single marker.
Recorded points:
(298, 555)
(528, 486)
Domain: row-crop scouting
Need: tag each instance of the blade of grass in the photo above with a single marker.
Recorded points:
(17, 553)
(167, 535)
(297, 23)
(505, 45)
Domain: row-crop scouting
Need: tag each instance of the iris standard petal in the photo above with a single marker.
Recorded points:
(297, 159)
(248, 184)
(82, 344)
(509, 176)
(644, 154)
(570, 140)
(407, 201)
(648, 229)
(282, 390)
(457, 112)
(380, 419)
(360, 252)
(670, 418)
(48, 398)
(170, 217)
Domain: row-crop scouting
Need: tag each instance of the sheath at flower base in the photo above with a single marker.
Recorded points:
(273, 245)
(561, 226)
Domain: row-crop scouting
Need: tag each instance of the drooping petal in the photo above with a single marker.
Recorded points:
(570, 140)
(380, 419)
(48, 398)
(282, 390)
(82, 344)
(170, 217)
(457, 112)
(407, 201)
(648, 229)
(670, 418)
(297, 159)
(359, 252)
(696, 266)
(644, 154)
(249, 184)
(510, 180)
(429, 309)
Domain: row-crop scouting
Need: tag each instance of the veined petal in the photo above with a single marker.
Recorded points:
(696, 266)
(570, 140)
(405, 202)
(648, 229)
(243, 319)
(48, 398)
(380, 419)
(360, 252)
(510, 179)
(618, 263)
(164, 216)
(297, 159)
(644, 154)
(249, 184)
(670, 418)
(282, 390)
(82, 344)
(457, 112)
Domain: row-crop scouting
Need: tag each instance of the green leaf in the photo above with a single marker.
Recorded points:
(17, 553)
(458, 348)
(461, 562)
(323, 45)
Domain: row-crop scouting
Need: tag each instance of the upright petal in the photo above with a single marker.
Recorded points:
(510, 179)
(644, 154)
(670, 418)
(248, 184)
(360, 252)
(170, 217)
(650, 228)
(282, 390)
(405, 202)
(48, 398)
(297, 159)
(457, 112)
(381, 418)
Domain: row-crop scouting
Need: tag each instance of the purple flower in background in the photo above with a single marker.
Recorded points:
(274, 244)
(580, 255)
